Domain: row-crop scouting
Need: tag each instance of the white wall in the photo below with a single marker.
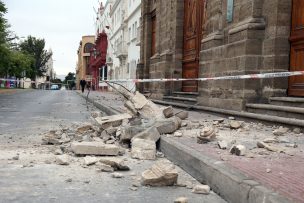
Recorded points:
(134, 14)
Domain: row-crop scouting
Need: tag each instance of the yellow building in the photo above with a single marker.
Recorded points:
(82, 68)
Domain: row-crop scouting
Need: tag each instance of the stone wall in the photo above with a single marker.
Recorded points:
(256, 41)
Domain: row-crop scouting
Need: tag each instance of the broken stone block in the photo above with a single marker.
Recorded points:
(178, 134)
(110, 142)
(181, 200)
(168, 126)
(52, 138)
(201, 189)
(104, 167)
(182, 115)
(89, 160)
(84, 128)
(112, 121)
(268, 147)
(148, 134)
(235, 124)
(58, 152)
(206, 135)
(96, 114)
(231, 118)
(62, 160)
(291, 145)
(238, 150)
(222, 144)
(296, 130)
(143, 149)
(270, 140)
(139, 100)
(219, 120)
(128, 132)
(117, 175)
(281, 131)
(116, 163)
(168, 112)
(162, 173)
(16, 157)
(94, 148)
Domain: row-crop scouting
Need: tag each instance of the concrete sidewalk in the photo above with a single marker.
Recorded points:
(260, 176)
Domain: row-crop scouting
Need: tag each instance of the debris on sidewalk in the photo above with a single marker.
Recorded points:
(238, 150)
(94, 148)
(206, 135)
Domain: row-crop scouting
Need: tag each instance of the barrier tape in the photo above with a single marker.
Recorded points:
(237, 77)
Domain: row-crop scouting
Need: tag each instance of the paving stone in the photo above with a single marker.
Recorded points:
(94, 148)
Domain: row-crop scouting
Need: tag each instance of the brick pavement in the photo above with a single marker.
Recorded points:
(287, 171)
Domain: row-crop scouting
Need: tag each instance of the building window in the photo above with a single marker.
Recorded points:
(129, 33)
(87, 47)
(136, 29)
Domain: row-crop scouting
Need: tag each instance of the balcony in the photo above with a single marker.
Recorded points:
(121, 50)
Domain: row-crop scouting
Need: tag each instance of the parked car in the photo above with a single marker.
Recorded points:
(54, 87)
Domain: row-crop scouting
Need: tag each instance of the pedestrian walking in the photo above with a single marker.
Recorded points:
(83, 84)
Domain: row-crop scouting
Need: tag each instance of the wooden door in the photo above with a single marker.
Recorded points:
(193, 20)
(296, 83)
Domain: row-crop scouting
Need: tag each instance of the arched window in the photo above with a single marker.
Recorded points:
(87, 47)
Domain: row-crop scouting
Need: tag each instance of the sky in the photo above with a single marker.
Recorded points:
(60, 22)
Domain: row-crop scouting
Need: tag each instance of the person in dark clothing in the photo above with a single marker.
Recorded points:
(83, 84)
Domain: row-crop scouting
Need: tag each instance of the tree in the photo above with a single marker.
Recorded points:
(4, 48)
(36, 48)
(20, 64)
(70, 80)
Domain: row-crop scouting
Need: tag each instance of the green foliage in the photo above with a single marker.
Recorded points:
(20, 63)
(70, 80)
(36, 48)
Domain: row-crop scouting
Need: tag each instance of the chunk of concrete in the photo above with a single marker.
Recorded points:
(84, 128)
(89, 160)
(104, 167)
(182, 115)
(62, 160)
(112, 121)
(139, 100)
(281, 131)
(116, 163)
(181, 200)
(117, 175)
(222, 144)
(143, 149)
(149, 134)
(235, 124)
(94, 148)
(208, 134)
(169, 125)
(162, 173)
(238, 150)
(201, 189)
(168, 111)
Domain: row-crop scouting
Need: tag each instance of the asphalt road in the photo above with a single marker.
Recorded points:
(34, 177)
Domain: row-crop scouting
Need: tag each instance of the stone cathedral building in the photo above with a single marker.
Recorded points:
(207, 38)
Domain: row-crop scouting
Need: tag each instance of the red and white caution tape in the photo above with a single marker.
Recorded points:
(236, 77)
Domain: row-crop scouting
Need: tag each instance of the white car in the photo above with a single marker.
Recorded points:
(54, 87)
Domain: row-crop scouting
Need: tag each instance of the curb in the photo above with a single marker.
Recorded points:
(229, 183)
(107, 109)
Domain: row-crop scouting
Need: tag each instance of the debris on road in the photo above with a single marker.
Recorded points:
(181, 200)
(201, 189)
(94, 148)
(162, 173)
(62, 160)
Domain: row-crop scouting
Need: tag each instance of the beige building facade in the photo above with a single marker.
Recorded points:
(83, 52)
